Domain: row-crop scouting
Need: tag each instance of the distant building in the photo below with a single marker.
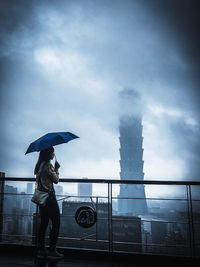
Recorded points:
(158, 231)
(84, 189)
(131, 153)
(29, 188)
(10, 189)
(10, 198)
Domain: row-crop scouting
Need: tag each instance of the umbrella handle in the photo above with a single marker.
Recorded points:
(55, 160)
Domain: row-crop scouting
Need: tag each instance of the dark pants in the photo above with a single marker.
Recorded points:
(49, 212)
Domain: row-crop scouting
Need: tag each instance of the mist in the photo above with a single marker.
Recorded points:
(64, 64)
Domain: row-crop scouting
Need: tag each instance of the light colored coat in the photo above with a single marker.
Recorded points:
(47, 175)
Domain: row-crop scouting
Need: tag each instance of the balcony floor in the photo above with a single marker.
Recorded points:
(22, 261)
(22, 256)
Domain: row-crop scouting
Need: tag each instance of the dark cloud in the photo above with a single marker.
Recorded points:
(181, 17)
(13, 15)
(182, 21)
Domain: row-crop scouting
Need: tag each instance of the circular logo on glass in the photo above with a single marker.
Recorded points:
(85, 216)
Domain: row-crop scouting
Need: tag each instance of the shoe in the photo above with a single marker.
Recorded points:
(41, 253)
(54, 254)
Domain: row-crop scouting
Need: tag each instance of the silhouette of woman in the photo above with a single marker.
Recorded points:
(46, 176)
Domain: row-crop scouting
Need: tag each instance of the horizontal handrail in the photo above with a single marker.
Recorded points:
(107, 181)
(101, 197)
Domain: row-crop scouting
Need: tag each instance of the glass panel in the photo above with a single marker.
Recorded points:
(81, 197)
(157, 224)
(18, 213)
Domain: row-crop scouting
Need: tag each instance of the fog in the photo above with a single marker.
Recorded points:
(63, 65)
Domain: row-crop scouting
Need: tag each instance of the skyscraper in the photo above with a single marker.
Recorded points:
(29, 188)
(85, 189)
(131, 153)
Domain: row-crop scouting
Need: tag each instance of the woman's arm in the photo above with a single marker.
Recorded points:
(53, 175)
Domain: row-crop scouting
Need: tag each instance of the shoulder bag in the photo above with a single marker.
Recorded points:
(40, 197)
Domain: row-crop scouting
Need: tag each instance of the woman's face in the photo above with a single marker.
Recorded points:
(52, 155)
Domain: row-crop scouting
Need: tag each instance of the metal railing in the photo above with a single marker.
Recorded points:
(118, 228)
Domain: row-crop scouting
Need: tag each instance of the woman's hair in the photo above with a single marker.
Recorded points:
(45, 155)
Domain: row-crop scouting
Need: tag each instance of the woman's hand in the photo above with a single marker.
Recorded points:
(57, 166)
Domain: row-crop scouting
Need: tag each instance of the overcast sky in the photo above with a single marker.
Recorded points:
(63, 64)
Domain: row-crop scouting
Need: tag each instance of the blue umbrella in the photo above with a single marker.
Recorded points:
(50, 139)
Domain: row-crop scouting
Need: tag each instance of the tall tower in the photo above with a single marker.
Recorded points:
(131, 154)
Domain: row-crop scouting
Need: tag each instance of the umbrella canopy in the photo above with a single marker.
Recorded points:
(50, 139)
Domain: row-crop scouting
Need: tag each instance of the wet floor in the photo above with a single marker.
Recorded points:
(19, 261)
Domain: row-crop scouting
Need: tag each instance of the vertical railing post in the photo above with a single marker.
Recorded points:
(110, 234)
(2, 185)
(97, 202)
(190, 220)
(36, 228)
(108, 217)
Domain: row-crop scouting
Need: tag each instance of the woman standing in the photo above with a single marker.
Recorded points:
(46, 176)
